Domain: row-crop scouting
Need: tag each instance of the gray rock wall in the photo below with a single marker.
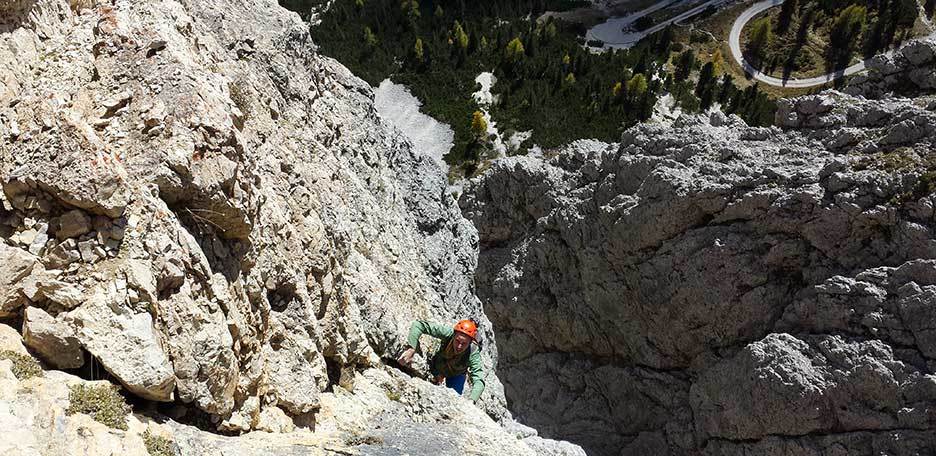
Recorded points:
(713, 288)
(213, 211)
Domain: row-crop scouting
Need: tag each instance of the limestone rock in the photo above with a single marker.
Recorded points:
(15, 265)
(702, 280)
(389, 413)
(52, 339)
(907, 71)
(547, 447)
(10, 340)
(200, 244)
(43, 285)
(127, 344)
(73, 223)
(273, 419)
(825, 384)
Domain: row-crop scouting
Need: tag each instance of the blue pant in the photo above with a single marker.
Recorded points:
(457, 383)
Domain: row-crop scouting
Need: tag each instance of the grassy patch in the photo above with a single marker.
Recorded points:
(393, 395)
(893, 160)
(814, 37)
(24, 366)
(157, 445)
(719, 25)
(102, 402)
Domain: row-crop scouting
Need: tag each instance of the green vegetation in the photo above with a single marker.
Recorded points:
(547, 82)
(157, 445)
(393, 395)
(24, 366)
(806, 38)
(903, 160)
(478, 125)
(761, 36)
(102, 402)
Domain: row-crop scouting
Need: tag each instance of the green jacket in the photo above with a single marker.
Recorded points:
(467, 361)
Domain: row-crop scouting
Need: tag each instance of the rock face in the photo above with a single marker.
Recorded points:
(223, 207)
(199, 203)
(712, 288)
(907, 71)
(382, 411)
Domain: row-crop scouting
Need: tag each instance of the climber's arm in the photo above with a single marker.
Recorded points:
(420, 327)
(476, 373)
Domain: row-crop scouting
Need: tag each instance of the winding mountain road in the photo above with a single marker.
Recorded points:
(734, 41)
(616, 32)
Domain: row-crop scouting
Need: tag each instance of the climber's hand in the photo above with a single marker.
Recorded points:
(407, 357)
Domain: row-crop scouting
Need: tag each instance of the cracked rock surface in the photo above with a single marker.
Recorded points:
(196, 202)
(714, 288)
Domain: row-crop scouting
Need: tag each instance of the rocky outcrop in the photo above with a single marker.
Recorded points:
(54, 339)
(906, 71)
(213, 213)
(374, 411)
(196, 201)
(713, 288)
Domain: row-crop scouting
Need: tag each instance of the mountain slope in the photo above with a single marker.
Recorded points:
(199, 207)
(713, 288)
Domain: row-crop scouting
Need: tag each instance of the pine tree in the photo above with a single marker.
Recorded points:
(718, 61)
(786, 14)
(684, 64)
(706, 78)
(727, 88)
(515, 50)
(478, 126)
(760, 38)
(411, 8)
(418, 50)
(847, 26)
(705, 89)
(369, 38)
(551, 29)
(460, 36)
(637, 86)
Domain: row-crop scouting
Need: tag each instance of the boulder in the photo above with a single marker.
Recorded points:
(11, 340)
(53, 339)
(72, 224)
(127, 345)
(15, 265)
(43, 285)
(274, 419)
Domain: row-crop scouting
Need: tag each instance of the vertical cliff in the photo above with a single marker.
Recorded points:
(200, 208)
(710, 288)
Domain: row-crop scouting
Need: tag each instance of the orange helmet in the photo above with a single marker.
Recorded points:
(468, 327)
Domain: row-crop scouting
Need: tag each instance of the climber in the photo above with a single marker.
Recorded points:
(456, 355)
